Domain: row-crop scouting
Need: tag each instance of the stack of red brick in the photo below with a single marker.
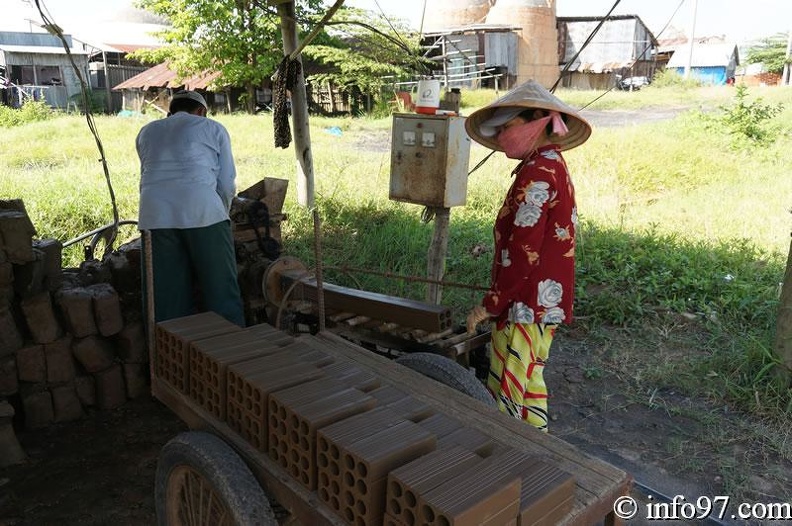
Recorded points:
(65, 341)
(372, 452)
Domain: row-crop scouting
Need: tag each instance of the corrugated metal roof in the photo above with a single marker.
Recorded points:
(621, 40)
(43, 50)
(705, 55)
(161, 76)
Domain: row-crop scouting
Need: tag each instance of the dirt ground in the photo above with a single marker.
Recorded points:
(100, 470)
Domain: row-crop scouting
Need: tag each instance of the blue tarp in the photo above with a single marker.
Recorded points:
(711, 75)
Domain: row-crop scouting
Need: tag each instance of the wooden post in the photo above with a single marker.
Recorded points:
(783, 336)
(437, 254)
(299, 106)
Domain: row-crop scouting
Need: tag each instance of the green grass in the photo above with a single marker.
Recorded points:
(675, 220)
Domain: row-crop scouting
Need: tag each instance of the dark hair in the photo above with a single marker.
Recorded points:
(528, 115)
(187, 105)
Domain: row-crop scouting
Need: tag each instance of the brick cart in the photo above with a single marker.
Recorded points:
(314, 430)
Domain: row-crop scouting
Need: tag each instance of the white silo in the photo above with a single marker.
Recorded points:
(538, 45)
(451, 14)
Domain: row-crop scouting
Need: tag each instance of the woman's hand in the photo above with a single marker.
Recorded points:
(476, 316)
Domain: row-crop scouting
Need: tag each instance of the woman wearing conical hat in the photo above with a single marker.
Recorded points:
(533, 269)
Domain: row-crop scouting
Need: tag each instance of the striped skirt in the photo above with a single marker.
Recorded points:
(519, 353)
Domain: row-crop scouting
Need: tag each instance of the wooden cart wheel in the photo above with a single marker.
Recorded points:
(447, 372)
(201, 481)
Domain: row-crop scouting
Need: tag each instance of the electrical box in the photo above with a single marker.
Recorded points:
(429, 160)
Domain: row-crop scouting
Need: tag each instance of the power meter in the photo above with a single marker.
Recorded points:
(429, 160)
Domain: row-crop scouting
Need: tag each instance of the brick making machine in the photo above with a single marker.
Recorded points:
(280, 289)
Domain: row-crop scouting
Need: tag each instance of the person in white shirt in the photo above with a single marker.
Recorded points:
(187, 182)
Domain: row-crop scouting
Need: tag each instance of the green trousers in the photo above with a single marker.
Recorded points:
(187, 260)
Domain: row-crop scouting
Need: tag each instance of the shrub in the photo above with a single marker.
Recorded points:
(31, 111)
(668, 78)
(747, 120)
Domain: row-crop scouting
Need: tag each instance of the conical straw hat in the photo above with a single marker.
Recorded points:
(529, 95)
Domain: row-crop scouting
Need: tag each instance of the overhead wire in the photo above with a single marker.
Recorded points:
(648, 46)
(570, 62)
(55, 30)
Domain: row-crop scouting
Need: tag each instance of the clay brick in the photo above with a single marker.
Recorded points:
(53, 258)
(10, 451)
(38, 409)
(8, 376)
(94, 353)
(31, 364)
(6, 274)
(125, 269)
(29, 277)
(60, 362)
(110, 389)
(107, 309)
(136, 379)
(77, 307)
(40, 318)
(10, 338)
(131, 344)
(17, 233)
(66, 404)
(85, 386)
(476, 496)
(6, 412)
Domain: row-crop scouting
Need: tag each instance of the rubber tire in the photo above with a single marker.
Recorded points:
(447, 372)
(220, 466)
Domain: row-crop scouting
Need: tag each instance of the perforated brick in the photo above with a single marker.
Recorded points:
(547, 494)
(353, 375)
(304, 420)
(247, 409)
(388, 394)
(471, 439)
(366, 463)
(411, 409)
(331, 444)
(474, 497)
(210, 358)
(425, 473)
(173, 338)
(441, 425)
(281, 404)
(388, 520)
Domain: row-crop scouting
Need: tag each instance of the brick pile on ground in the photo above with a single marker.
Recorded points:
(70, 339)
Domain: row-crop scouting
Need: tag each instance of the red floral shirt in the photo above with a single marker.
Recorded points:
(533, 271)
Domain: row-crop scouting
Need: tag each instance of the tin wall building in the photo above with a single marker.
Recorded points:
(537, 50)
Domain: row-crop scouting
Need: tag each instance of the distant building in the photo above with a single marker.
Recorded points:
(153, 87)
(35, 66)
(623, 47)
(108, 46)
(712, 64)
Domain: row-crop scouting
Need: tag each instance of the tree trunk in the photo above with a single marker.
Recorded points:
(250, 103)
(783, 336)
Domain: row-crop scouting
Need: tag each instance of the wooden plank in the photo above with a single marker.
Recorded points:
(303, 504)
(376, 306)
(598, 483)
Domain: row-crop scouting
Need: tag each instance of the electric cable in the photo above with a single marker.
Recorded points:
(668, 23)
